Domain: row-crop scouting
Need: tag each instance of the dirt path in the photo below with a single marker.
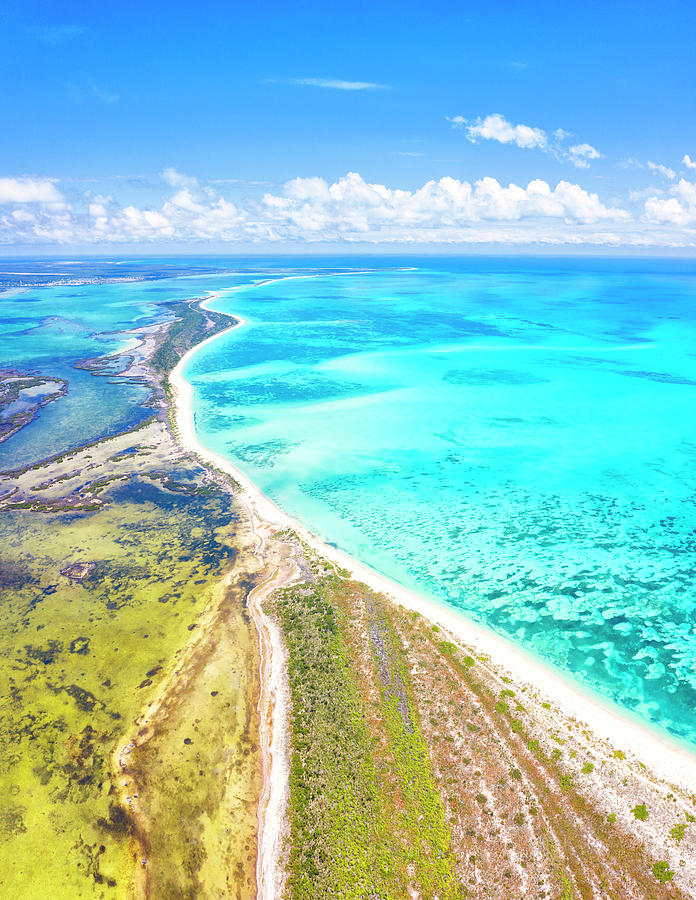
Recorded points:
(273, 714)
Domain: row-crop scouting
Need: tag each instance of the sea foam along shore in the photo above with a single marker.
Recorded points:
(669, 760)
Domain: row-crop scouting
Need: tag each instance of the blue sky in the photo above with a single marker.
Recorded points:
(212, 124)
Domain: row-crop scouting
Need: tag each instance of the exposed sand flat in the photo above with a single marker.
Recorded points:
(75, 478)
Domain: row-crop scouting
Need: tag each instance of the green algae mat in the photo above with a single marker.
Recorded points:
(128, 672)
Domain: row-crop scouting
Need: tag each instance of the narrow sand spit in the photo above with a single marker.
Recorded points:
(671, 762)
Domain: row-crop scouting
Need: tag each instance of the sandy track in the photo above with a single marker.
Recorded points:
(273, 708)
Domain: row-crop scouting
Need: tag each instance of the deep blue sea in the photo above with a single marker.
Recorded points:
(513, 437)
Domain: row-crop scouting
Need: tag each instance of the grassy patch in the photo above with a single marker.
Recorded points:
(366, 817)
(678, 832)
(339, 827)
(662, 872)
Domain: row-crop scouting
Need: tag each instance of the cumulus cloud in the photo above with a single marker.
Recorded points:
(677, 209)
(689, 162)
(29, 190)
(581, 154)
(349, 209)
(335, 84)
(353, 206)
(662, 170)
(497, 128)
(665, 171)
(177, 179)
(312, 209)
(98, 204)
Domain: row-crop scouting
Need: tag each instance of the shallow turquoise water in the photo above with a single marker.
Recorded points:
(515, 438)
(47, 330)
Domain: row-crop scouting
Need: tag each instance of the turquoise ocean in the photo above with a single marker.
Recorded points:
(515, 438)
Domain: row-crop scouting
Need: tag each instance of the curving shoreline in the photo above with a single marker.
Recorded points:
(671, 762)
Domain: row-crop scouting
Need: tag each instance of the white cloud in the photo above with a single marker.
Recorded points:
(679, 209)
(29, 190)
(581, 154)
(335, 84)
(23, 215)
(351, 209)
(174, 178)
(662, 170)
(665, 171)
(689, 162)
(496, 128)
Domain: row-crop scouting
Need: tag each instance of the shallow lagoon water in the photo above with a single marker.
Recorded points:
(47, 330)
(514, 438)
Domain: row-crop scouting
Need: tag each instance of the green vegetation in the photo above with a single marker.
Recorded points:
(678, 832)
(662, 872)
(566, 782)
(80, 659)
(366, 817)
(339, 830)
(640, 812)
(447, 648)
(192, 325)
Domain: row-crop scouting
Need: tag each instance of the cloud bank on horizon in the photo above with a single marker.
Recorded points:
(40, 211)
